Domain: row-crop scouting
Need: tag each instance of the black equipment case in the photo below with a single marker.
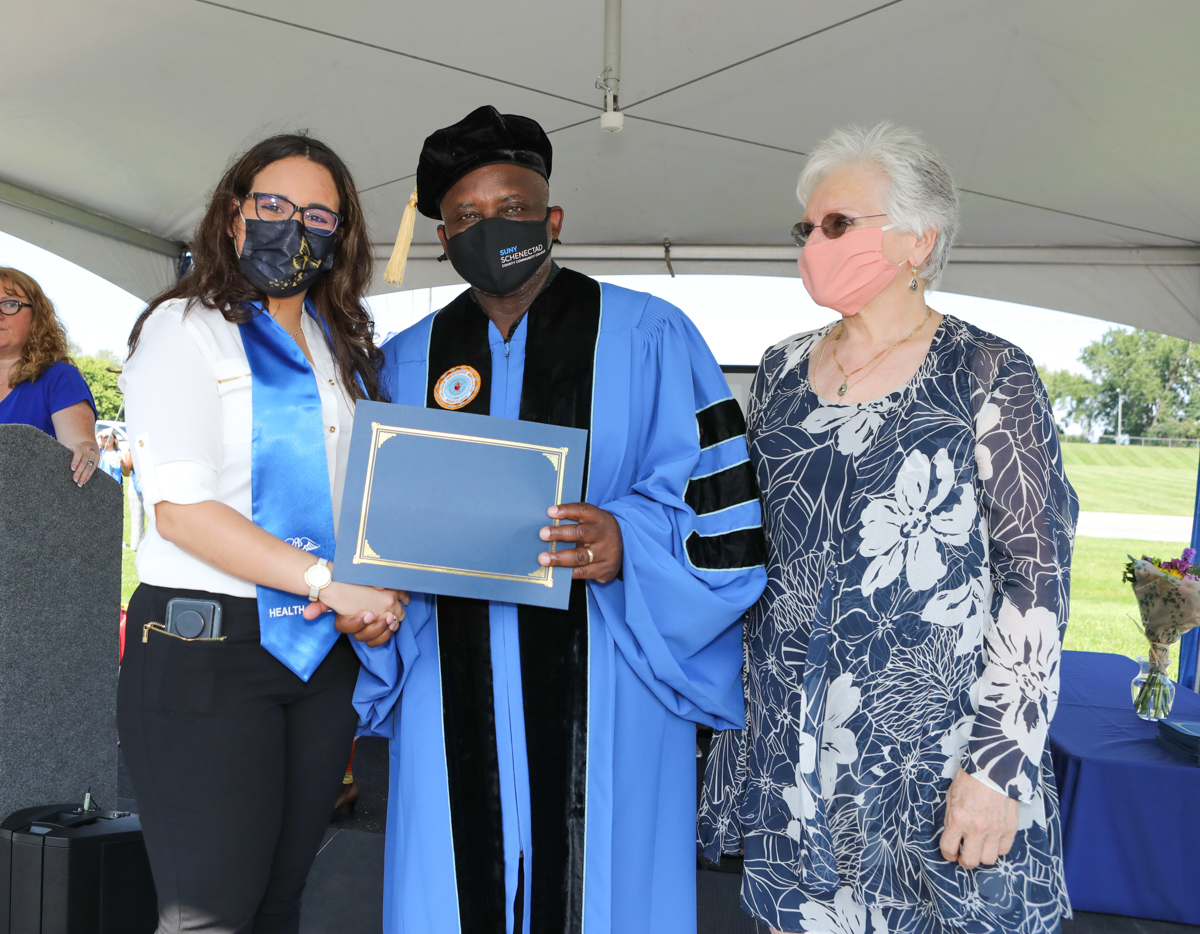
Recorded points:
(65, 870)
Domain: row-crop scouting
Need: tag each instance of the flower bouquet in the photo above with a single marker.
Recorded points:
(1168, 596)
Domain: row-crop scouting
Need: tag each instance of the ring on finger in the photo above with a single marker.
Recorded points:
(591, 556)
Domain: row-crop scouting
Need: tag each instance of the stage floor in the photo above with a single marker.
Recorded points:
(345, 889)
(345, 896)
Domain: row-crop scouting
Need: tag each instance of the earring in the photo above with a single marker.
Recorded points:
(913, 284)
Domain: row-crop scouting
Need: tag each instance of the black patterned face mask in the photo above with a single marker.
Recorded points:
(497, 255)
(284, 258)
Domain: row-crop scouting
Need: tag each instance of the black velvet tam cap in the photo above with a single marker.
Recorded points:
(484, 137)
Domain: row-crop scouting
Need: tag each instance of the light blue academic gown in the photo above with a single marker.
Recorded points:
(665, 643)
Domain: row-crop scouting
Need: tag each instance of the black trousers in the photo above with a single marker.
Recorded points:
(235, 762)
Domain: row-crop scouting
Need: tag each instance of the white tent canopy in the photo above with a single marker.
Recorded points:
(1070, 126)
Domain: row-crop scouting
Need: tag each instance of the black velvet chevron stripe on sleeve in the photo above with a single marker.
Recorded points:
(725, 488)
(743, 548)
(720, 422)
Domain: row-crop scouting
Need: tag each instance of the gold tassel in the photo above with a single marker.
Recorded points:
(395, 267)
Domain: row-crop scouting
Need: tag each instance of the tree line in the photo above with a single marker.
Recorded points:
(1154, 376)
(101, 372)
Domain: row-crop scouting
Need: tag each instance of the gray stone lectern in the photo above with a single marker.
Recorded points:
(60, 611)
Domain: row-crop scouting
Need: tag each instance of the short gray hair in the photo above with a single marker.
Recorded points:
(921, 192)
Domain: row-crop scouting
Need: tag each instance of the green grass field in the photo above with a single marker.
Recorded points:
(1108, 478)
(1104, 614)
(129, 580)
(1150, 481)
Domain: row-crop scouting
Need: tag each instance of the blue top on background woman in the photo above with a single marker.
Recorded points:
(39, 385)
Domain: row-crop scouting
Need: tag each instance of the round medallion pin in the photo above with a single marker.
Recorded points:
(457, 387)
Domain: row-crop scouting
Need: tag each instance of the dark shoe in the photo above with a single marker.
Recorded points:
(348, 799)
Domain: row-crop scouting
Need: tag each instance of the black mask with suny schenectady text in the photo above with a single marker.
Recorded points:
(497, 255)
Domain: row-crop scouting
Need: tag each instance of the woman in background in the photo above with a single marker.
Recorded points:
(110, 455)
(39, 385)
(133, 493)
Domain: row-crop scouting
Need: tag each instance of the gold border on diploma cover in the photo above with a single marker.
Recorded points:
(365, 554)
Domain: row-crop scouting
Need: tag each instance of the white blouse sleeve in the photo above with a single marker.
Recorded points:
(173, 411)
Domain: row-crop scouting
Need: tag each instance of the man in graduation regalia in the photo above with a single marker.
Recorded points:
(543, 761)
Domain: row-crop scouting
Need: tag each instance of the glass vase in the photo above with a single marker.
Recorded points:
(1153, 691)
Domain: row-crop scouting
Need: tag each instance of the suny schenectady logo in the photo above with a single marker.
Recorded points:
(511, 256)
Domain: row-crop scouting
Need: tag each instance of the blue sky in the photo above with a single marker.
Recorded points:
(739, 316)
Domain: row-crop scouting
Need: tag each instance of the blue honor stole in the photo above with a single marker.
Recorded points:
(289, 481)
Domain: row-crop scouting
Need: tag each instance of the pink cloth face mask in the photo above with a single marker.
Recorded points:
(846, 273)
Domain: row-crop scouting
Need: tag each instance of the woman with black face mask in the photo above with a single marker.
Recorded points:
(234, 705)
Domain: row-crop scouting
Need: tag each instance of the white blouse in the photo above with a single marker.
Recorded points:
(190, 422)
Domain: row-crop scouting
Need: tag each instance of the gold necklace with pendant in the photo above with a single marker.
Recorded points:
(294, 334)
(845, 387)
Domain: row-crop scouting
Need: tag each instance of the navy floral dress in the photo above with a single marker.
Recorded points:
(919, 566)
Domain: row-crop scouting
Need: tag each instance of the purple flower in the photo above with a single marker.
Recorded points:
(1189, 555)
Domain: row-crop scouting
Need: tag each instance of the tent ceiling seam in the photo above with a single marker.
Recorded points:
(363, 191)
(1098, 220)
(757, 55)
(735, 139)
(408, 55)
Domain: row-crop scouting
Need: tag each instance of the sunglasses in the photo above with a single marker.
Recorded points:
(833, 226)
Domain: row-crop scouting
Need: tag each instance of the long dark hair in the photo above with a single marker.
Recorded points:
(216, 281)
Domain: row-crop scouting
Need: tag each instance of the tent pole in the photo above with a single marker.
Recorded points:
(1189, 645)
(612, 47)
(610, 79)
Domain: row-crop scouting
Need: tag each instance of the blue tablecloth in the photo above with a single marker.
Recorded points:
(1130, 810)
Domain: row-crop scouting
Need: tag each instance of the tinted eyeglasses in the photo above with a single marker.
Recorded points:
(10, 306)
(833, 226)
(319, 220)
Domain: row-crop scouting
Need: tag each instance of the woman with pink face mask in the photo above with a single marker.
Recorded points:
(902, 664)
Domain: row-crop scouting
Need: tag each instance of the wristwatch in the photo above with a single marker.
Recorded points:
(318, 576)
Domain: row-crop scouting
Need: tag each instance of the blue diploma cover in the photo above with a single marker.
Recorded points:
(451, 503)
